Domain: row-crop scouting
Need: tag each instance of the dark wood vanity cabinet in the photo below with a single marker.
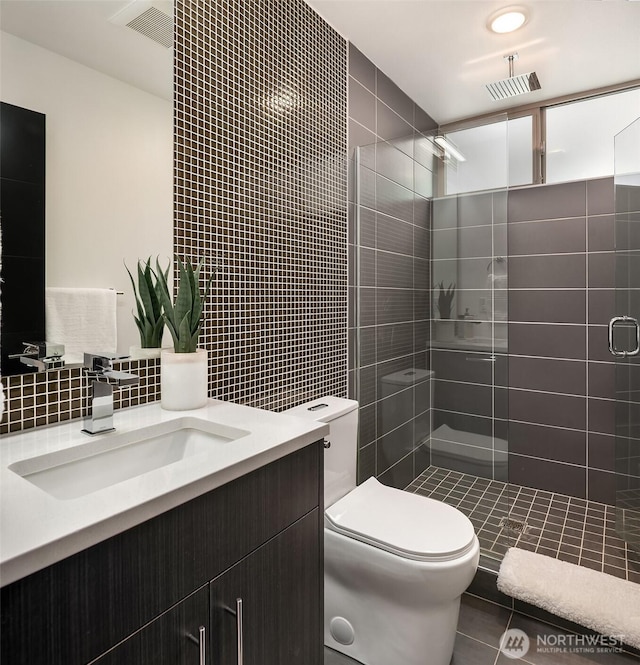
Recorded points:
(171, 639)
(142, 596)
(277, 623)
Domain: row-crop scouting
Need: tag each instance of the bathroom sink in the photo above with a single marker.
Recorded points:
(114, 458)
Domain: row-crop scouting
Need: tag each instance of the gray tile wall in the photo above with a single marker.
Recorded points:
(561, 376)
(389, 277)
(552, 395)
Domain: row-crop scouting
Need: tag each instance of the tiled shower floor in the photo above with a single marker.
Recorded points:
(567, 528)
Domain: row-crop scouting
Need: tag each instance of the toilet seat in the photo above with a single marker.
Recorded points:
(408, 525)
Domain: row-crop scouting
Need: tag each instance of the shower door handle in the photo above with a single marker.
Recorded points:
(629, 320)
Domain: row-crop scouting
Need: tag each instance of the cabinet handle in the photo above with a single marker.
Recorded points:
(203, 645)
(239, 626)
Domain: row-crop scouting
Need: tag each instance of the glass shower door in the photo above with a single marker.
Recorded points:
(469, 341)
(624, 332)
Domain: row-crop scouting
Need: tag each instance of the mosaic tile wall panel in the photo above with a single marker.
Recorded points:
(260, 189)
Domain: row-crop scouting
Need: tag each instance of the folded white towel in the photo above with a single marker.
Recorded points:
(84, 320)
(602, 602)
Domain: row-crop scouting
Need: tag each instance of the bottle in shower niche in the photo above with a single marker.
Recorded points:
(468, 327)
(497, 283)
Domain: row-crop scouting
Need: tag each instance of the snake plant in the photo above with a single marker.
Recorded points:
(184, 316)
(445, 299)
(149, 319)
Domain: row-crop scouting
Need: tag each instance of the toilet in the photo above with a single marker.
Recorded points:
(396, 563)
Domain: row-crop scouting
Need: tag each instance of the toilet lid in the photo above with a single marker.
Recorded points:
(409, 525)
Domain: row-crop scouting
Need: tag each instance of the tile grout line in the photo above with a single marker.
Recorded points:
(586, 346)
(492, 483)
(528, 517)
(564, 521)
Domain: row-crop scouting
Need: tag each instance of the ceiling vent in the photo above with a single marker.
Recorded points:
(151, 19)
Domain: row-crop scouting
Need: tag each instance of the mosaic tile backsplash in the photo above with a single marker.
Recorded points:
(46, 398)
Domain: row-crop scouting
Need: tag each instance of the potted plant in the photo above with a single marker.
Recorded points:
(185, 368)
(445, 299)
(445, 326)
(149, 318)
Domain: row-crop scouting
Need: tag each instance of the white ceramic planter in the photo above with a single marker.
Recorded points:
(183, 379)
(445, 330)
(139, 353)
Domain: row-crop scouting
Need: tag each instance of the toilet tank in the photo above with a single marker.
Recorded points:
(341, 456)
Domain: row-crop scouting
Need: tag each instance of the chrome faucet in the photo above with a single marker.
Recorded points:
(99, 366)
(41, 355)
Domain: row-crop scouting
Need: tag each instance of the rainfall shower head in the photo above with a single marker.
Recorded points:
(514, 85)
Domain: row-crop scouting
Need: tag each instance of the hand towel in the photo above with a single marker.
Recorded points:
(82, 319)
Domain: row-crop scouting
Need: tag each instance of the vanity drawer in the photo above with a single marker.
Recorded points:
(73, 611)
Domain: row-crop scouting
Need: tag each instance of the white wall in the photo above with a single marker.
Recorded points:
(109, 170)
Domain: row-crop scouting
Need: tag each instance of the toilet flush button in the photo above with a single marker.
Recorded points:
(341, 630)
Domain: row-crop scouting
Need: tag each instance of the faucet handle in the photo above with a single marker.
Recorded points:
(41, 355)
(50, 350)
(40, 350)
(99, 362)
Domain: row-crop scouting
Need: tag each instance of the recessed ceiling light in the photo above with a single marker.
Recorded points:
(507, 19)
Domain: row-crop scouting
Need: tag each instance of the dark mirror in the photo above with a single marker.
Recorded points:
(99, 91)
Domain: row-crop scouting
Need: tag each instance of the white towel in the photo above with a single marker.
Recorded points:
(604, 603)
(84, 320)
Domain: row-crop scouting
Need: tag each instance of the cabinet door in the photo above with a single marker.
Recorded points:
(174, 638)
(267, 609)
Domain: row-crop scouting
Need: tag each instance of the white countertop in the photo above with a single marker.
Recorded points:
(37, 529)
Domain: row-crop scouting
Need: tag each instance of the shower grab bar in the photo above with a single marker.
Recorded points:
(617, 352)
